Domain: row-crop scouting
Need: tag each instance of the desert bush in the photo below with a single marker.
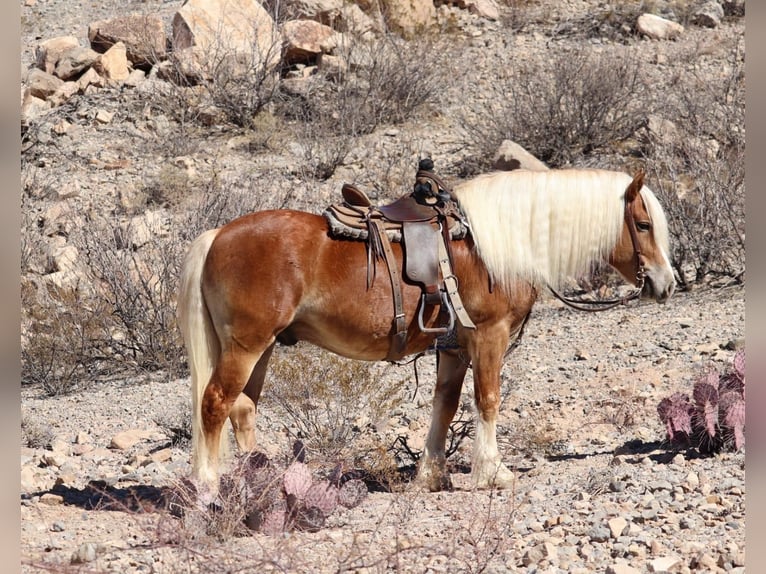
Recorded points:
(35, 433)
(562, 109)
(699, 169)
(713, 419)
(330, 400)
(137, 284)
(385, 81)
(64, 341)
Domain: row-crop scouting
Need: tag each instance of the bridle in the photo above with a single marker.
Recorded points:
(605, 304)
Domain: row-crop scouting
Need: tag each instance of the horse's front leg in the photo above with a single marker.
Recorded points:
(449, 383)
(487, 350)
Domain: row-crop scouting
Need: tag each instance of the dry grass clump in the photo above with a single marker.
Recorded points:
(562, 109)
(697, 158)
(332, 403)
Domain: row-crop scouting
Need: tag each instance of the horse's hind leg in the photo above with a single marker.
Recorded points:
(243, 412)
(449, 383)
(229, 378)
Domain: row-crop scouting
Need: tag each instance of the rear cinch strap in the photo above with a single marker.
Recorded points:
(399, 340)
(451, 286)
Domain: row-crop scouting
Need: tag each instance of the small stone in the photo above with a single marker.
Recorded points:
(663, 564)
(83, 438)
(57, 527)
(599, 533)
(162, 455)
(621, 568)
(85, 553)
(104, 117)
(51, 499)
(617, 526)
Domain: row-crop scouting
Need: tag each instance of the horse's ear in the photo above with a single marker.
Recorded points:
(634, 187)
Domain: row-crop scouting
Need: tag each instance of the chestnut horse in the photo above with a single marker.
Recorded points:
(278, 276)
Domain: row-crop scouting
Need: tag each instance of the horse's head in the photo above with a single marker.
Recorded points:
(641, 254)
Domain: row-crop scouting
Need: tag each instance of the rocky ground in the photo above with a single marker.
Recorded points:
(598, 488)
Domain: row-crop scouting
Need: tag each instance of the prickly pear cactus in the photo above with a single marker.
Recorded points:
(322, 495)
(297, 480)
(352, 493)
(714, 418)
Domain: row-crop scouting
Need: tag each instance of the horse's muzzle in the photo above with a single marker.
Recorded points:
(650, 290)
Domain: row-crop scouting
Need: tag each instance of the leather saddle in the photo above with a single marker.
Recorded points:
(424, 222)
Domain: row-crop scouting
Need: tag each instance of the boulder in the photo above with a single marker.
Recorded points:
(221, 28)
(510, 156)
(32, 107)
(142, 34)
(63, 93)
(352, 19)
(74, 62)
(409, 17)
(47, 53)
(323, 11)
(658, 28)
(40, 84)
(708, 14)
(113, 64)
(484, 8)
(303, 41)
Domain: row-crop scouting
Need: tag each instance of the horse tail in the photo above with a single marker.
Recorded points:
(202, 344)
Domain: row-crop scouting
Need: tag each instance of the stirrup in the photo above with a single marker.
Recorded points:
(438, 330)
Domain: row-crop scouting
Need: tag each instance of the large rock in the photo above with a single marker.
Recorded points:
(352, 19)
(226, 28)
(142, 34)
(708, 14)
(32, 107)
(41, 84)
(303, 41)
(510, 156)
(113, 64)
(323, 11)
(47, 53)
(409, 17)
(484, 8)
(74, 62)
(658, 28)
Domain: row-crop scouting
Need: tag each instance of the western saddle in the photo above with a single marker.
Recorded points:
(424, 222)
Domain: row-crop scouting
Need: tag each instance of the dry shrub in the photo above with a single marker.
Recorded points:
(563, 108)
(137, 283)
(387, 81)
(698, 164)
(332, 402)
(64, 339)
(35, 433)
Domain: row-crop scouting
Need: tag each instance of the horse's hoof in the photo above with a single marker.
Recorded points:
(435, 477)
(497, 477)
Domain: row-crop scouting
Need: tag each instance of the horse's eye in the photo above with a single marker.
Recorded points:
(643, 225)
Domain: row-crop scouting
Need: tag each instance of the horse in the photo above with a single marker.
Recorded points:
(277, 276)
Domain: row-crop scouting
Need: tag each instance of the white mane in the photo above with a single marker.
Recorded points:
(544, 226)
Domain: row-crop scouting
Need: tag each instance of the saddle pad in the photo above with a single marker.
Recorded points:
(348, 222)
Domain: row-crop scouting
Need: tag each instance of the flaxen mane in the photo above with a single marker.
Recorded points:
(545, 226)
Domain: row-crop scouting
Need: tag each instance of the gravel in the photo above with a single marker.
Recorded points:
(597, 487)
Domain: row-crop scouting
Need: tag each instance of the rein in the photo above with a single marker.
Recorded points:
(606, 304)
